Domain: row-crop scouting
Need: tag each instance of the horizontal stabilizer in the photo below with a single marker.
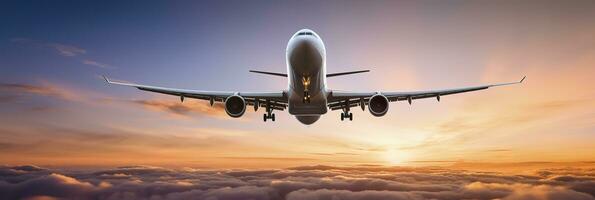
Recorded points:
(346, 73)
(269, 73)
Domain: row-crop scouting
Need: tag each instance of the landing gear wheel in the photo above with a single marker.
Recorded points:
(268, 115)
(346, 115)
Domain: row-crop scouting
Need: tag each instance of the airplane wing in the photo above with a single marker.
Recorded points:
(278, 100)
(343, 99)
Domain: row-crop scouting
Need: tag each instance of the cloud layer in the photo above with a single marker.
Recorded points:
(313, 182)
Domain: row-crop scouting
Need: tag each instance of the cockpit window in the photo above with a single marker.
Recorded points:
(306, 33)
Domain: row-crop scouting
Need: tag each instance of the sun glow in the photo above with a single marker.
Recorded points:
(395, 157)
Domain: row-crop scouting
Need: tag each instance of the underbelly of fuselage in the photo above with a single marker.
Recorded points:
(316, 105)
(307, 77)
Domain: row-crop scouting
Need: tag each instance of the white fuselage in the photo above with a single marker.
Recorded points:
(306, 71)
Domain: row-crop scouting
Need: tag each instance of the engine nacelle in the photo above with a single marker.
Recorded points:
(378, 105)
(235, 106)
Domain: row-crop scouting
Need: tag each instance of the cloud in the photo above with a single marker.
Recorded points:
(12, 92)
(228, 193)
(28, 168)
(474, 122)
(44, 88)
(54, 185)
(584, 186)
(336, 154)
(314, 182)
(62, 49)
(71, 146)
(187, 108)
(498, 150)
(269, 158)
(67, 50)
(7, 99)
(350, 195)
(96, 64)
(526, 191)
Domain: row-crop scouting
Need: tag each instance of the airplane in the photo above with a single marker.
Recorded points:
(307, 96)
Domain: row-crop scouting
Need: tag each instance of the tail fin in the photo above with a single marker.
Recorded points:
(346, 73)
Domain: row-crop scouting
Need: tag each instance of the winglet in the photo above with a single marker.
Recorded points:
(106, 79)
(510, 83)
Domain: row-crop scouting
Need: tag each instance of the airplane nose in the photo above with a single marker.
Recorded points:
(305, 45)
(305, 48)
(305, 55)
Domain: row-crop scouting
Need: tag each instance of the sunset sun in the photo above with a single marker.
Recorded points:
(396, 157)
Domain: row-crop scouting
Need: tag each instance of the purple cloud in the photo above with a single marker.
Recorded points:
(316, 182)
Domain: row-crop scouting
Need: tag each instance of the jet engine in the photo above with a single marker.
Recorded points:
(378, 105)
(235, 106)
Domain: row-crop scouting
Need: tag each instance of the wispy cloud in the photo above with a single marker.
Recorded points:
(269, 158)
(474, 122)
(96, 64)
(61, 49)
(5, 98)
(499, 150)
(12, 92)
(336, 154)
(75, 145)
(184, 109)
(66, 50)
(44, 88)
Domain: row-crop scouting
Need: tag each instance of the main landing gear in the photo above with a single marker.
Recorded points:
(346, 114)
(268, 115)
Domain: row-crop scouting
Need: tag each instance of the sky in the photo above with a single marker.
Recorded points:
(56, 111)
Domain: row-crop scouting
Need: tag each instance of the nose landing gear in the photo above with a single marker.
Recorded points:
(306, 84)
(306, 98)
